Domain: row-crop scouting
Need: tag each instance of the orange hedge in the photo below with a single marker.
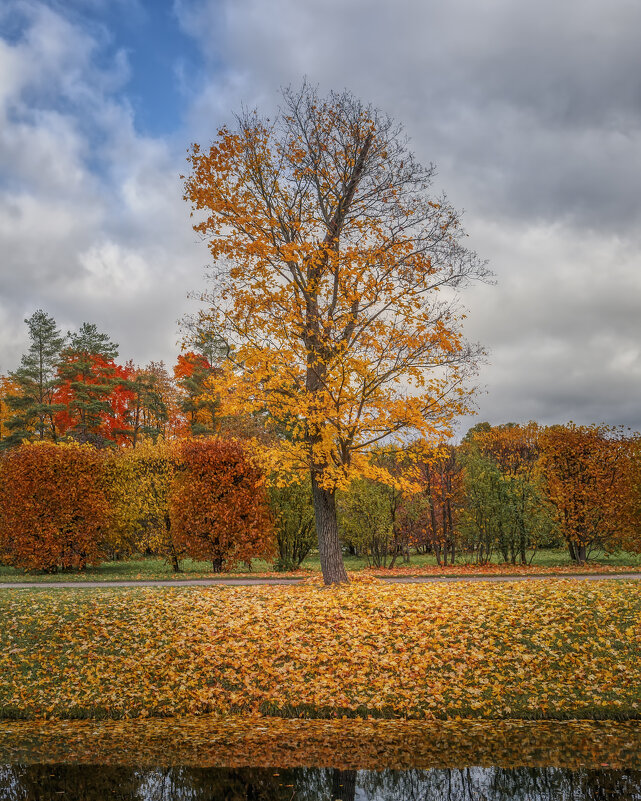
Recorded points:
(53, 507)
(218, 505)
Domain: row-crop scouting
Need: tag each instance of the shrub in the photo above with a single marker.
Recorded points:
(218, 505)
(293, 513)
(589, 478)
(53, 506)
(367, 518)
(139, 482)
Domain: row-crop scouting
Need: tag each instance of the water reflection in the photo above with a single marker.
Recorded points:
(101, 782)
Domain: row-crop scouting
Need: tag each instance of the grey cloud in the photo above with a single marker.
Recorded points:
(562, 329)
(92, 222)
(531, 112)
(539, 104)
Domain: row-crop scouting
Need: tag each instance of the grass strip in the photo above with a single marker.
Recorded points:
(551, 561)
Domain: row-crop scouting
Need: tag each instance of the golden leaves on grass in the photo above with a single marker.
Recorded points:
(501, 569)
(515, 650)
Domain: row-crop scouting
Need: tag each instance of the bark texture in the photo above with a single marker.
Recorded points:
(329, 546)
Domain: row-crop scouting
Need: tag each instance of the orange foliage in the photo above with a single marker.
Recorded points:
(442, 490)
(589, 481)
(513, 447)
(199, 408)
(330, 252)
(174, 423)
(218, 506)
(188, 363)
(53, 509)
(332, 305)
(7, 388)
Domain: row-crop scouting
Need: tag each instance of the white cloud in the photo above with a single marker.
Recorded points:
(530, 112)
(92, 222)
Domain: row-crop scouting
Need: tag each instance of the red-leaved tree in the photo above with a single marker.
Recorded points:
(218, 505)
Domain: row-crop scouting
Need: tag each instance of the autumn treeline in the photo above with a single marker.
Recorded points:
(500, 495)
(71, 388)
(503, 493)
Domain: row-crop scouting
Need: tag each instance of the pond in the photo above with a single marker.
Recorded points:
(263, 759)
(100, 782)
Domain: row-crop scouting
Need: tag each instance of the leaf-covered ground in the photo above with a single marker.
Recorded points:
(553, 649)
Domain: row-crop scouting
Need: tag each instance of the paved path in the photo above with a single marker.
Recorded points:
(572, 576)
(250, 582)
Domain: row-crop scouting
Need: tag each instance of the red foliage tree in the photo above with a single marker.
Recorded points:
(218, 506)
(53, 507)
(96, 395)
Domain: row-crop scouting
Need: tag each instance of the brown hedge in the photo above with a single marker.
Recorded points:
(53, 506)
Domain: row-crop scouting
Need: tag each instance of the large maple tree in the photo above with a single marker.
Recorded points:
(334, 265)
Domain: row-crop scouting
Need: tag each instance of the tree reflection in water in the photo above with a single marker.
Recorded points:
(102, 782)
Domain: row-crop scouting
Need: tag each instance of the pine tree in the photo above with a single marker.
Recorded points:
(33, 407)
(90, 342)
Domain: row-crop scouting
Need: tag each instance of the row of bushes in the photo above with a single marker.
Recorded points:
(64, 506)
(504, 492)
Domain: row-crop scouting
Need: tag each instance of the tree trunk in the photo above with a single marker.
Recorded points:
(343, 785)
(175, 564)
(329, 547)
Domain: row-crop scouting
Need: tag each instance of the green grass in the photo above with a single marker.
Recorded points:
(146, 568)
(552, 557)
(141, 567)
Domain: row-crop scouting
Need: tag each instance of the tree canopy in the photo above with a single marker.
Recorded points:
(334, 265)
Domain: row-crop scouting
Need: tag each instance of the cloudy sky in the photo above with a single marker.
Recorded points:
(530, 111)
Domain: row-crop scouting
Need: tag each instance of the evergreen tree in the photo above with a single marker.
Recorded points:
(88, 377)
(33, 406)
(90, 342)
